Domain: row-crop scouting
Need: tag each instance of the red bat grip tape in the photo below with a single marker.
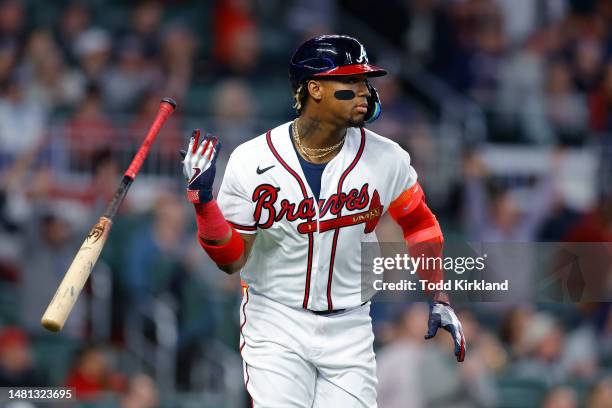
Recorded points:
(165, 109)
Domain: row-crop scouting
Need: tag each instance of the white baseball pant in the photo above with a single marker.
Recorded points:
(295, 358)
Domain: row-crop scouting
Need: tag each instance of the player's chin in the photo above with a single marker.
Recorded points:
(357, 120)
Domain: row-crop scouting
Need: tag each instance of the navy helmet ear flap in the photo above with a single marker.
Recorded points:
(374, 105)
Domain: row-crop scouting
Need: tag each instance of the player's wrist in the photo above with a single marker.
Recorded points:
(441, 297)
(199, 196)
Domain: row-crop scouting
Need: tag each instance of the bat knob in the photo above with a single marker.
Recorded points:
(51, 325)
(169, 101)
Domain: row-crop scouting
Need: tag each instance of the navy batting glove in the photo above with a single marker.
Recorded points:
(199, 166)
(442, 315)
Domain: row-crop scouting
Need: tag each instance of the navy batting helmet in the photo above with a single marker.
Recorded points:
(331, 55)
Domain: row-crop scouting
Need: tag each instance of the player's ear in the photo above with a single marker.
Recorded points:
(315, 90)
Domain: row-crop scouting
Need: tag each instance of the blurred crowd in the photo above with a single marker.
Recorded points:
(540, 69)
(81, 81)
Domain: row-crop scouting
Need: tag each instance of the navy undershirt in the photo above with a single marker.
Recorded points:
(312, 171)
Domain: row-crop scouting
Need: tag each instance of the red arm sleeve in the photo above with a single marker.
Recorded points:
(422, 233)
(212, 226)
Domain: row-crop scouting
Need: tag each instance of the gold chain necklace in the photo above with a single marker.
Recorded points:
(316, 153)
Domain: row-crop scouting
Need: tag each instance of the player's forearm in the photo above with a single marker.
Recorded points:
(237, 265)
(223, 244)
(233, 267)
(431, 269)
(230, 268)
(423, 235)
(431, 253)
(217, 242)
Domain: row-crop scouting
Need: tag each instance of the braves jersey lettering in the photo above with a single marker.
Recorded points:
(307, 253)
(266, 195)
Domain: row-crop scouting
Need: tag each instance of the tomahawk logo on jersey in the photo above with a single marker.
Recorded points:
(299, 266)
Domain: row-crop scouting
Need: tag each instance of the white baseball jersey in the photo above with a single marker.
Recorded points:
(307, 254)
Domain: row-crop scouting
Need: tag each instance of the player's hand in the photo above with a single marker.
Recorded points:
(442, 315)
(199, 166)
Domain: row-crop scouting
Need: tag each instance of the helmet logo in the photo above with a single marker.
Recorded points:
(362, 58)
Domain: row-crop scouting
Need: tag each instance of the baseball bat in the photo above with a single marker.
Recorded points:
(77, 274)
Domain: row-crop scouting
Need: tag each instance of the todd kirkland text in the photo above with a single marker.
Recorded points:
(454, 285)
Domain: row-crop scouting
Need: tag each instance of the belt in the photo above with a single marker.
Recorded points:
(331, 312)
(327, 312)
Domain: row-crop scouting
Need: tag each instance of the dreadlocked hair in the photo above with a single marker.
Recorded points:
(299, 98)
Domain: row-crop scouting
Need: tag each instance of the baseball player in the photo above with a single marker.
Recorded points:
(294, 207)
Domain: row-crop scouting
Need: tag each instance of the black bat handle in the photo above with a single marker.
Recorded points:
(115, 203)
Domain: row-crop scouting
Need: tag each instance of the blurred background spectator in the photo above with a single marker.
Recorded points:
(16, 362)
(504, 105)
(91, 375)
(142, 393)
